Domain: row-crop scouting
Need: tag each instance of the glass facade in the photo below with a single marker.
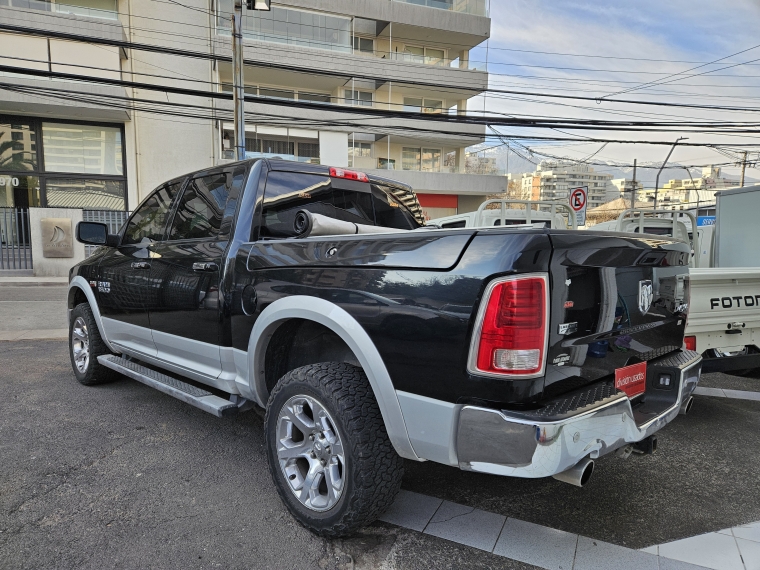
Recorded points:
(292, 26)
(65, 165)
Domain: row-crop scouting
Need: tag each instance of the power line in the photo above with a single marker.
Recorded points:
(300, 69)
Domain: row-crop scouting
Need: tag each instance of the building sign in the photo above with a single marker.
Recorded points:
(57, 237)
(578, 202)
(705, 221)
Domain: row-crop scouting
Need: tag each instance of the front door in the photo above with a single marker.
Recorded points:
(186, 316)
(125, 285)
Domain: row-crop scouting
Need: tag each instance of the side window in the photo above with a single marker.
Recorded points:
(148, 223)
(201, 209)
(389, 212)
(288, 192)
(458, 224)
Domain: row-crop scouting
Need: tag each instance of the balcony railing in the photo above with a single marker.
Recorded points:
(407, 57)
(474, 7)
(106, 9)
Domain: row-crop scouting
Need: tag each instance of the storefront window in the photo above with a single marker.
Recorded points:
(19, 191)
(85, 193)
(18, 150)
(82, 149)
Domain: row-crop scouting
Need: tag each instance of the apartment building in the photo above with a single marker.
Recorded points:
(626, 187)
(552, 180)
(83, 144)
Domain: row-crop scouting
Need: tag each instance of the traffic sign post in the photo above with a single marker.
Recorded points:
(578, 199)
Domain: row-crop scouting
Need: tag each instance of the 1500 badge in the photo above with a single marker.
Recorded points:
(104, 286)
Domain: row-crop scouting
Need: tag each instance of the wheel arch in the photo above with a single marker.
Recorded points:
(80, 289)
(352, 334)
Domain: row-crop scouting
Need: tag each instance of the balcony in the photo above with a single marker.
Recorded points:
(473, 7)
(423, 59)
(102, 9)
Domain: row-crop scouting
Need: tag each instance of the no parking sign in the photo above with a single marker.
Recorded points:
(578, 201)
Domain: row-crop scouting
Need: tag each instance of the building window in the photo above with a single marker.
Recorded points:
(364, 45)
(76, 165)
(87, 193)
(419, 105)
(431, 160)
(363, 98)
(386, 163)
(274, 93)
(410, 158)
(314, 97)
(358, 150)
(82, 149)
(425, 55)
(291, 26)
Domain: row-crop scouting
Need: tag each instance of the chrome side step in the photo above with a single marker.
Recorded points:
(188, 393)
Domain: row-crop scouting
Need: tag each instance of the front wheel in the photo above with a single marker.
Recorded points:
(85, 345)
(329, 453)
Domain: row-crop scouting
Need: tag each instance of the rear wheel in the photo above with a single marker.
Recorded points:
(85, 345)
(329, 453)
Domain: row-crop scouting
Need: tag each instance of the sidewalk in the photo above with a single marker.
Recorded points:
(33, 308)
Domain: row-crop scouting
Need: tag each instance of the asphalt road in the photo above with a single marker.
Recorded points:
(121, 476)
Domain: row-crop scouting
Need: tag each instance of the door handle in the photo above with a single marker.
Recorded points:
(140, 265)
(205, 266)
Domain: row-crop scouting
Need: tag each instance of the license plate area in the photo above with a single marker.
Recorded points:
(632, 379)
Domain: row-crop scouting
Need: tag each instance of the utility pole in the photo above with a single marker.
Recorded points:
(657, 180)
(744, 165)
(633, 189)
(238, 83)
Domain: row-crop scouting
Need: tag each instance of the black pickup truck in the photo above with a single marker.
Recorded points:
(319, 295)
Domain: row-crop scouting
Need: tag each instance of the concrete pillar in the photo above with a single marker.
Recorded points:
(462, 107)
(461, 158)
(464, 59)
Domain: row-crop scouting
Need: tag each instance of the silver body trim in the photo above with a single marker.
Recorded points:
(492, 441)
(126, 336)
(80, 282)
(253, 386)
(201, 357)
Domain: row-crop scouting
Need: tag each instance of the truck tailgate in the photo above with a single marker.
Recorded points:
(725, 307)
(617, 300)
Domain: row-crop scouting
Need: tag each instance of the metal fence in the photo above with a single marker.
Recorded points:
(15, 246)
(114, 219)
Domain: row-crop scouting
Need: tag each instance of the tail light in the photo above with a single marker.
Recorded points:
(348, 174)
(690, 343)
(511, 331)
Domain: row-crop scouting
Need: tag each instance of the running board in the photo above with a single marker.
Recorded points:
(188, 393)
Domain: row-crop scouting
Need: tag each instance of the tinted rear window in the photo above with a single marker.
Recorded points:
(288, 192)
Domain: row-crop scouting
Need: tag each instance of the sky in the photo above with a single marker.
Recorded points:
(638, 42)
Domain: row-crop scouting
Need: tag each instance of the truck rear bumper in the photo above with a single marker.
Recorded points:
(748, 361)
(588, 423)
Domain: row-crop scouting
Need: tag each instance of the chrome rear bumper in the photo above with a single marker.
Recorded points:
(553, 439)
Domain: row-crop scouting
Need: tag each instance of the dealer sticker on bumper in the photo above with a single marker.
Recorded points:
(632, 379)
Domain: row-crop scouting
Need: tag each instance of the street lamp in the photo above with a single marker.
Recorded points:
(657, 180)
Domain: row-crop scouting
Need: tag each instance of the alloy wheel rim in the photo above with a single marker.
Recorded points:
(310, 453)
(80, 345)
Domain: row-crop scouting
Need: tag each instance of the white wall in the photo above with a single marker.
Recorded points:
(333, 148)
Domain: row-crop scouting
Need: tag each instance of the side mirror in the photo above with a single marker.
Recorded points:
(95, 233)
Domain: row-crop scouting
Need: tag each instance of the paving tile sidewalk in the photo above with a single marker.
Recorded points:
(558, 550)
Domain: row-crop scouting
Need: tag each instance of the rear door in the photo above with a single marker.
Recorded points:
(185, 316)
(125, 287)
(616, 301)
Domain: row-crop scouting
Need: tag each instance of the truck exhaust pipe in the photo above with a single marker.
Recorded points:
(578, 475)
(686, 408)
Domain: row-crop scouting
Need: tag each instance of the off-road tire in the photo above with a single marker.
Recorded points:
(94, 373)
(373, 470)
